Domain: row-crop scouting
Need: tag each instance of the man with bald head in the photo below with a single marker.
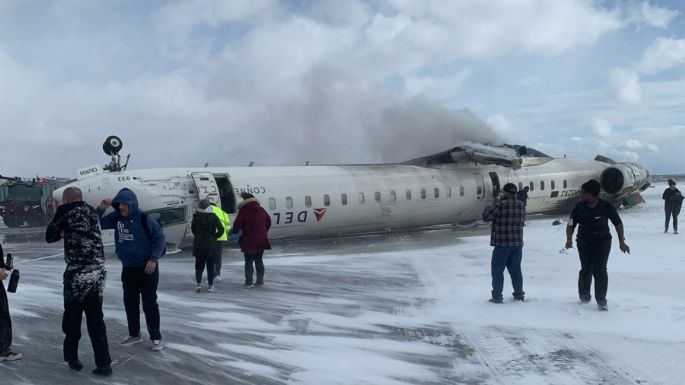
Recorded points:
(84, 278)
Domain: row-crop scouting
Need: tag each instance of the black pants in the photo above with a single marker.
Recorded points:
(671, 212)
(255, 258)
(139, 285)
(200, 263)
(217, 264)
(593, 263)
(5, 321)
(71, 326)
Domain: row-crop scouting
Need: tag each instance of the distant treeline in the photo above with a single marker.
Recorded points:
(665, 177)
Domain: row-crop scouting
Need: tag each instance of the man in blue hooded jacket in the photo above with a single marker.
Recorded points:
(139, 246)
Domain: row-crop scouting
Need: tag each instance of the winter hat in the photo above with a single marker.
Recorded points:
(671, 182)
(204, 203)
(591, 187)
(246, 195)
(510, 188)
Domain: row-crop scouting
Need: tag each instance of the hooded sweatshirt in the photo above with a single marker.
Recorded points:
(133, 247)
(206, 228)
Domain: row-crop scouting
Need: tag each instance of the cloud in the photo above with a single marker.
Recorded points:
(652, 15)
(634, 144)
(187, 14)
(626, 85)
(601, 127)
(663, 54)
(435, 88)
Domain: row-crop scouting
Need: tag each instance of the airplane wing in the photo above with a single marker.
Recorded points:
(505, 155)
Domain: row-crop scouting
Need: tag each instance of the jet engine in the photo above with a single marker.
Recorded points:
(624, 178)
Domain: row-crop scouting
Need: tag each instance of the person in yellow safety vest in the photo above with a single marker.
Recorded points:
(226, 223)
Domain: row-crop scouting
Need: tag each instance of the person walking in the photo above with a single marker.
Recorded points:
(206, 228)
(6, 353)
(673, 201)
(84, 278)
(139, 243)
(253, 223)
(508, 217)
(592, 216)
(523, 196)
(226, 223)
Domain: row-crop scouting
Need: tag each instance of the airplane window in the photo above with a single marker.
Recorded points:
(449, 191)
(408, 195)
(167, 217)
(361, 197)
(378, 196)
(532, 186)
(565, 184)
(542, 185)
(423, 193)
(272, 204)
(436, 193)
(289, 202)
(343, 199)
(479, 190)
(551, 185)
(461, 191)
(393, 196)
(308, 201)
(326, 200)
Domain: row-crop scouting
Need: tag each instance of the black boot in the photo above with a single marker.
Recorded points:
(104, 371)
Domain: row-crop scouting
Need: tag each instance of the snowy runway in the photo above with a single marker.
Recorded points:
(395, 309)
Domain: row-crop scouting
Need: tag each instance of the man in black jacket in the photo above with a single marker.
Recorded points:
(84, 278)
(592, 215)
(673, 200)
(6, 354)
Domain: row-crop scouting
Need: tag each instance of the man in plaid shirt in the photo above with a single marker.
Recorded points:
(507, 217)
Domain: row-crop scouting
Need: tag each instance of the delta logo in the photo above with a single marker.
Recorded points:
(319, 213)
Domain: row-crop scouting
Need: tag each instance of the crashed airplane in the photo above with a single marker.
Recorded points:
(450, 187)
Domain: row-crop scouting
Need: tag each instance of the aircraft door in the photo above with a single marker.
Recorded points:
(207, 187)
(480, 185)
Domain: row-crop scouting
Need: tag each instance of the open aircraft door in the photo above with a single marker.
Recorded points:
(207, 187)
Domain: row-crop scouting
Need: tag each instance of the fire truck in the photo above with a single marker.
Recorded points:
(27, 201)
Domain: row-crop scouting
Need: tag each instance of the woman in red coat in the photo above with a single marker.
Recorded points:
(254, 223)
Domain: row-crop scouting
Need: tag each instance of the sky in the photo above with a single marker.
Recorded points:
(189, 82)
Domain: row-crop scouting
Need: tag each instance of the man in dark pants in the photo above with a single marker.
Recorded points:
(6, 354)
(139, 243)
(84, 278)
(673, 201)
(592, 214)
(507, 217)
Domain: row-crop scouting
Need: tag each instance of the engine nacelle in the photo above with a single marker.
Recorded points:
(624, 178)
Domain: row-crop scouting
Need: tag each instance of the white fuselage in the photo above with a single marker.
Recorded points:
(320, 201)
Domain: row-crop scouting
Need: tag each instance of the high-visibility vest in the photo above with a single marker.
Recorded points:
(225, 222)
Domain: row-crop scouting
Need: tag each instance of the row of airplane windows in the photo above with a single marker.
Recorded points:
(393, 195)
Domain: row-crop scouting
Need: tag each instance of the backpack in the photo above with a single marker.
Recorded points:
(146, 227)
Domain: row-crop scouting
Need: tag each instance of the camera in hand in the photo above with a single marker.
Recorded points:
(14, 281)
(8, 264)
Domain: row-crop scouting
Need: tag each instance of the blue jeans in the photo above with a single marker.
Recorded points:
(509, 257)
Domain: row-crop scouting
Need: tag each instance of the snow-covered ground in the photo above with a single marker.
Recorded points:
(397, 309)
